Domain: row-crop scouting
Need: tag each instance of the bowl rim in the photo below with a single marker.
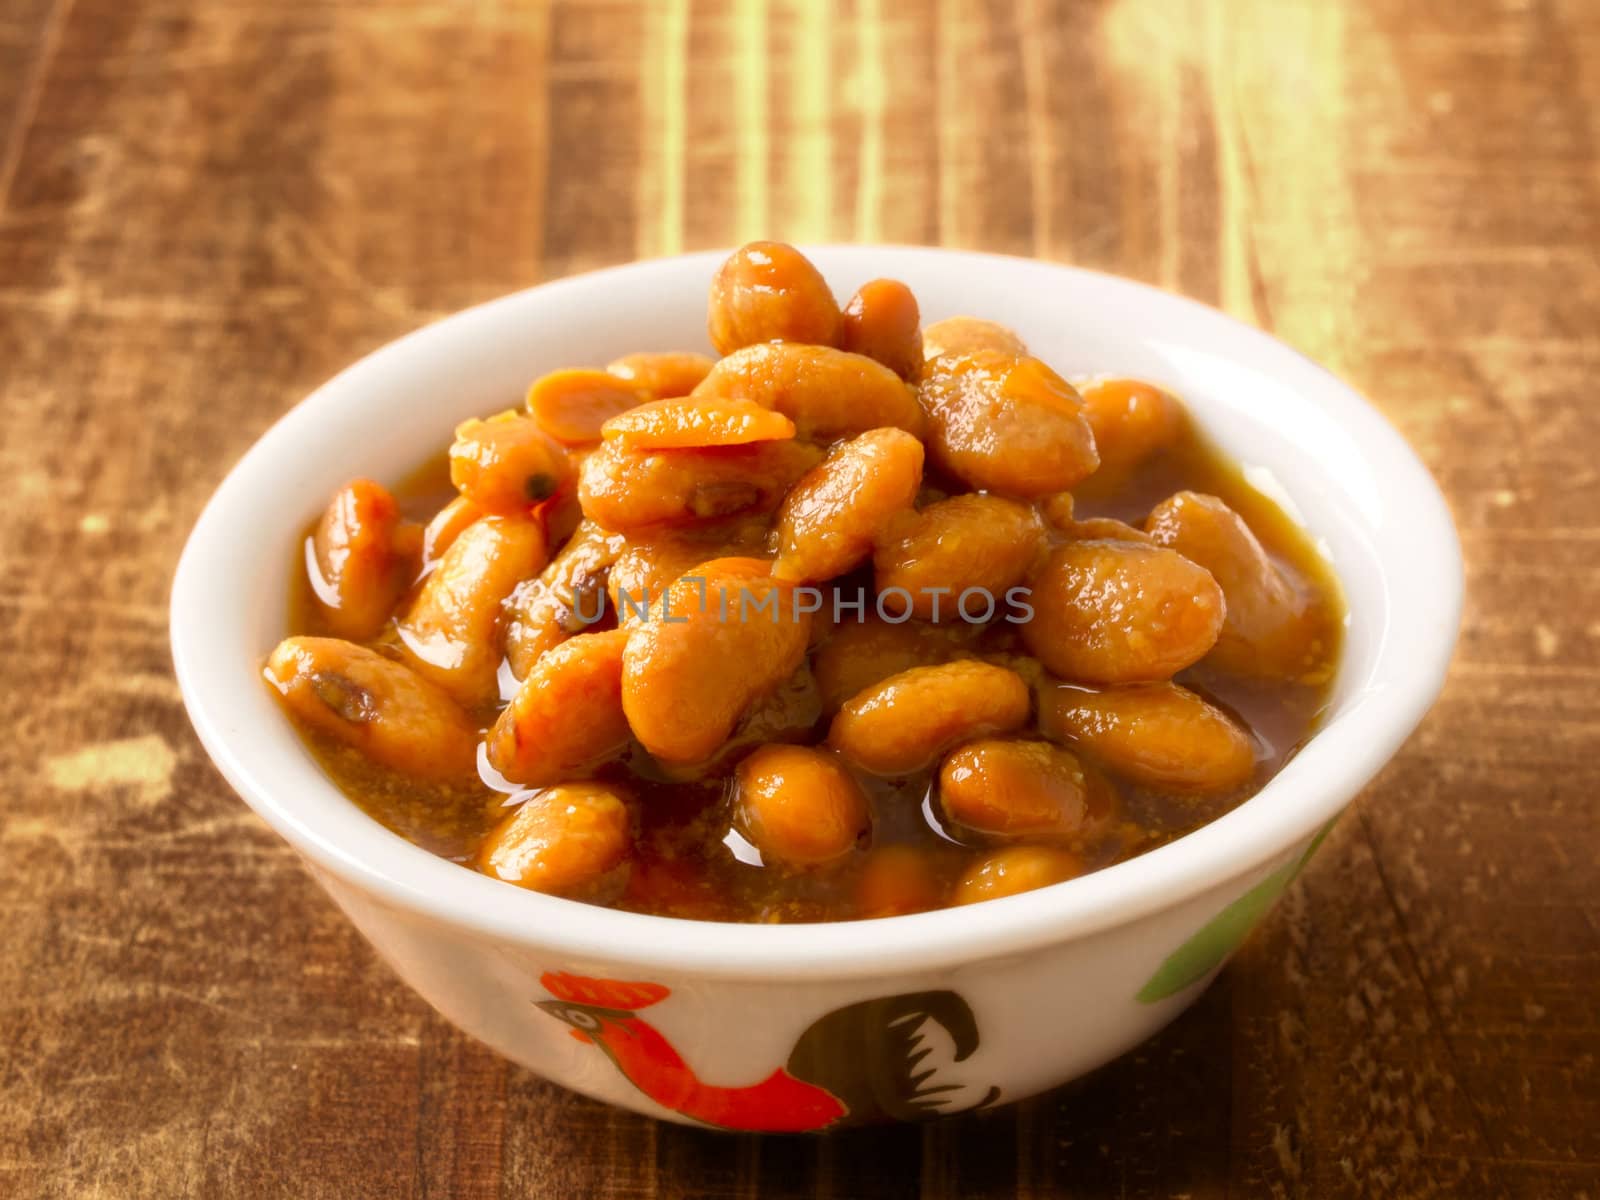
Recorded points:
(1422, 586)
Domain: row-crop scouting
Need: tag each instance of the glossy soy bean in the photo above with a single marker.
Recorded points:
(1159, 735)
(769, 291)
(360, 566)
(453, 631)
(881, 321)
(1272, 627)
(798, 805)
(1121, 612)
(735, 635)
(564, 840)
(905, 722)
(828, 521)
(1006, 424)
(389, 713)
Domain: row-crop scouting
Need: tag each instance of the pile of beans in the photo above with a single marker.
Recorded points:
(821, 628)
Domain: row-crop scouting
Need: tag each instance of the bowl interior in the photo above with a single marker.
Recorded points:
(1321, 451)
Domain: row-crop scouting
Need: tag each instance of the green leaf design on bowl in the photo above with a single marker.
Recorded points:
(1221, 936)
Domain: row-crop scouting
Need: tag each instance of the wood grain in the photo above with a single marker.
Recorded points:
(206, 209)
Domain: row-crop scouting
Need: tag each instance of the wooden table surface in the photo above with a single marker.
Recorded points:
(208, 208)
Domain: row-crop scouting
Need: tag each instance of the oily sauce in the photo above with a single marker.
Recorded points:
(691, 861)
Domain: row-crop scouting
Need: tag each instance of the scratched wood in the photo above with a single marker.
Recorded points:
(206, 209)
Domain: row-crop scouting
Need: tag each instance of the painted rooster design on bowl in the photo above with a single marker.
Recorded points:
(893, 1058)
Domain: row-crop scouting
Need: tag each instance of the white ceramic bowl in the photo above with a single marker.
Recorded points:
(800, 1027)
